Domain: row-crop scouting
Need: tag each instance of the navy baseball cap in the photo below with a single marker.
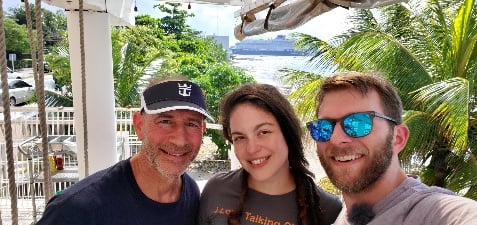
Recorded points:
(173, 95)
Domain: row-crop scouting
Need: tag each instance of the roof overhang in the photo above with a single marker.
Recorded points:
(121, 11)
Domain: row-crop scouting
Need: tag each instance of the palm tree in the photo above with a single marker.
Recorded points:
(134, 49)
(428, 50)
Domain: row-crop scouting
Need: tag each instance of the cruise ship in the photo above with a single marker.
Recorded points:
(280, 46)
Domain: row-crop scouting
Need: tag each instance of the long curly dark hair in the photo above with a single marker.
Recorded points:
(268, 98)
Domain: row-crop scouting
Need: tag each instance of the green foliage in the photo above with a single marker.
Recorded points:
(305, 84)
(16, 37)
(200, 53)
(53, 23)
(53, 99)
(188, 60)
(152, 23)
(59, 65)
(174, 23)
(205, 48)
(190, 71)
(134, 49)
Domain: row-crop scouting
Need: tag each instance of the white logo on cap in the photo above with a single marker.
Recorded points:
(184, 89)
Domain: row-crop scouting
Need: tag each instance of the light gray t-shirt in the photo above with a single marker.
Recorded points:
(415, 203)
(221, 195)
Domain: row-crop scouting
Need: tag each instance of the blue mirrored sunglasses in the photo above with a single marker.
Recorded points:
(354, 125)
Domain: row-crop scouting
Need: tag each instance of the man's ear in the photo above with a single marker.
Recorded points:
(138, 121)
(401, 135)
(204, 125)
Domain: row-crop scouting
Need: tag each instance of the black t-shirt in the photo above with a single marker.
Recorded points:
(112, 196)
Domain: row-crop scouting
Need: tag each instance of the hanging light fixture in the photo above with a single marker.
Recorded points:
(188, 6)
(135, 6)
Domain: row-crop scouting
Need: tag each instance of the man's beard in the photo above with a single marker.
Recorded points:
(152, 152)
(370, 174)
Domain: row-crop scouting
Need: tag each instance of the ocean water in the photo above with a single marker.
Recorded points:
(266, 68)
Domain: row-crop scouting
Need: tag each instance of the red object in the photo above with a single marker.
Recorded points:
(59, 163)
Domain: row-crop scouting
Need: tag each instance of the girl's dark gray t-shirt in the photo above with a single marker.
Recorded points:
(221, 196)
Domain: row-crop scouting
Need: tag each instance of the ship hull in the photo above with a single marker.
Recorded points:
(265, 52)
(279, 46)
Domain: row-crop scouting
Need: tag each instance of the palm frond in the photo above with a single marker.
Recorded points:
(296, 78)
(379, 51)
(302, 99)
(363, 20)
(53, 99)
(463, 177)
(446, 102)
(423, 133)
(430, 39)
(465, 37)
(321, 54)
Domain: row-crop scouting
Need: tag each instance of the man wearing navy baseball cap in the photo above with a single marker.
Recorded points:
(150, 187)
(172, 95)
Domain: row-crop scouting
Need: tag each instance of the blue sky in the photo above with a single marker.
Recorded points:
(219, 19)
